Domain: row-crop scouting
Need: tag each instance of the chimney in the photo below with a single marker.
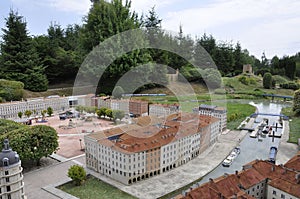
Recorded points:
(211, 180)
(273, 168)
(237, 173)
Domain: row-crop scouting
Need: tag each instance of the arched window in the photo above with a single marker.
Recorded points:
(5, 162)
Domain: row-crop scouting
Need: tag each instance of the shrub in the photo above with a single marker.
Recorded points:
(244, 80)
(267, 80)
(77, 174)
(290, 85)
(220, 91)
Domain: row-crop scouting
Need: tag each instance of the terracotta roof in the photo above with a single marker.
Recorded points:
(294, 162)
(291, 188)
(233, 185)
(138, 138)
(250, 178)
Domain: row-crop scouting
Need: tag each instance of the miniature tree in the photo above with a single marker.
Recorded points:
(108, 113)
(117, 114)
(267, 80)
(20, 114)
(118, 92)
(49, 111)
(28, 113)
(43, 113)
(77, 174)
(296, 104)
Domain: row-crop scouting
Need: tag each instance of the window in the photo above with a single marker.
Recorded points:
(7, 179)
(282, 196)
(6, 172)
(8, 188)
(274, 192)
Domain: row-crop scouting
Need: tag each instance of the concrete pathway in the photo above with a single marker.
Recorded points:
(36, 181)
(285, 150)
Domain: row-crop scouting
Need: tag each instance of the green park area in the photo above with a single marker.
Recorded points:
(93, 189)
(294, 124)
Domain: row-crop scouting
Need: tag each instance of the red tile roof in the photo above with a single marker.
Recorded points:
(233, 185)
(294, 163)
(143, 137)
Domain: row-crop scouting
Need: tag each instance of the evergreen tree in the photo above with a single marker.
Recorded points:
(19, 57)
(267, 80)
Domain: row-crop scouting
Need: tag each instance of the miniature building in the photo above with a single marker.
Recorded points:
(11, 178)
(135, 152)
(10, 110)
(247, 68)
(163, 110)
(214, 111)
(135, 107)
(138, 107)
(258, 179)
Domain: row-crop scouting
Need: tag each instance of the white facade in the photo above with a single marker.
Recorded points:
(10, 110)
(258, 190)
(214, 111)
(158, 153)
(160, 110)
(274, 193)
(11, 177)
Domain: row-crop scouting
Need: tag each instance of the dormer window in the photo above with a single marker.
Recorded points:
(5, 162)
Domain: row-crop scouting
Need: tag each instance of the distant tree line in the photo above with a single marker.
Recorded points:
(42, 60)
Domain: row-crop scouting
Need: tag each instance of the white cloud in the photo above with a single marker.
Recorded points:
(143, 6)
(261, 24)
(77, 6)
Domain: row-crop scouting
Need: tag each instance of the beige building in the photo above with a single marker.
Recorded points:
(11, 177)
(163, 110)
(214, 111)
(149, 147)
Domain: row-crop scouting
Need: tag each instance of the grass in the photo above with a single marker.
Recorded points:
(294, 125)
(94, 189)
(236, 113)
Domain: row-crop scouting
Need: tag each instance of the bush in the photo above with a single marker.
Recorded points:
(244, 80)
(220, 91)
(11, 90)
(267, 80)
(118, 92)
(279, 79)
(77, 174)
(290, 85)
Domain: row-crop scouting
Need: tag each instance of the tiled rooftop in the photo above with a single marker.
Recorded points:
(233, 185)
(138, 138)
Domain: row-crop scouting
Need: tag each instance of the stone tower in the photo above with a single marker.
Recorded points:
(11, 177)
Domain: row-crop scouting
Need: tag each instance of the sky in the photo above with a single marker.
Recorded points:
(270, 26)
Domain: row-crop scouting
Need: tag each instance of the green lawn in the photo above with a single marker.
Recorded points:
(294, 125)
(95, 189)
(236, 113)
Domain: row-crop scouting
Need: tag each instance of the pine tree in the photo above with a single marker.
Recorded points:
(19, 57)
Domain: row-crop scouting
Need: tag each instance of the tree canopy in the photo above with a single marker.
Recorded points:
(57, 56)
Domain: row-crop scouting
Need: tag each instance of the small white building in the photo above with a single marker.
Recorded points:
(11, 177)
(214, 111)
(163, 110)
